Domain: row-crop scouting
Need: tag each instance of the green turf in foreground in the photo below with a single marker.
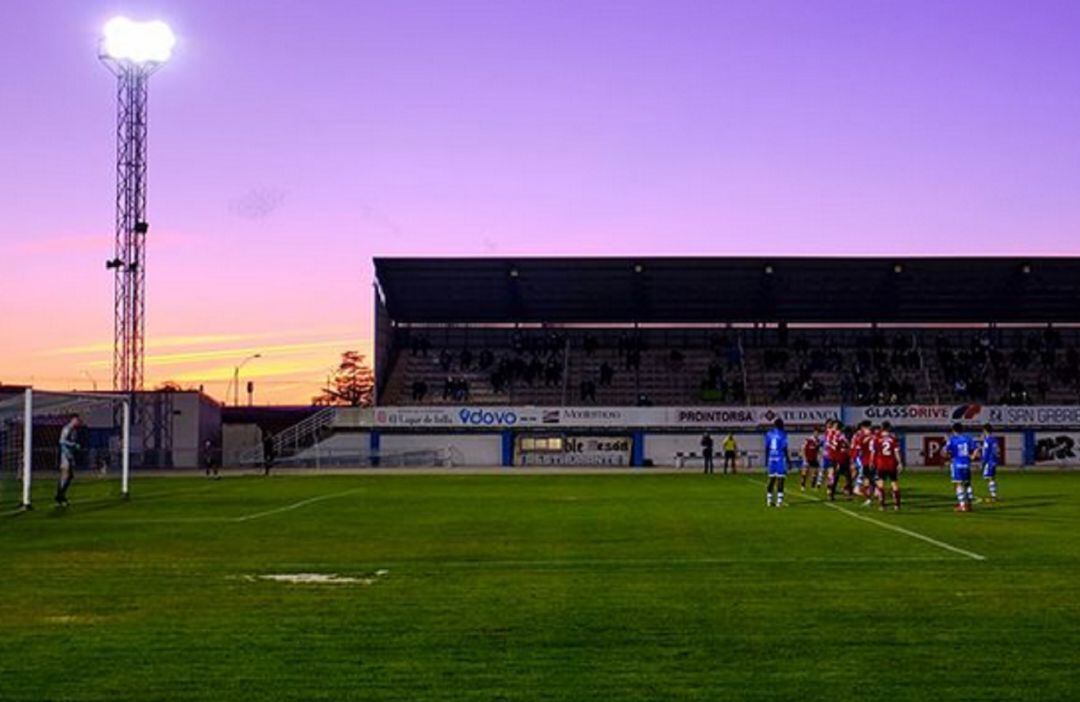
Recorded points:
(625, 587)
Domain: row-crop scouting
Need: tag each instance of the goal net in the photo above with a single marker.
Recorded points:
(30, 430)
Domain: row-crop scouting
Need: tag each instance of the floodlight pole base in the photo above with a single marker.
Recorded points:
(125, 496)
(25, 507)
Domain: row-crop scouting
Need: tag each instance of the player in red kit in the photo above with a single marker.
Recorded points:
(860, 457)
(811, 448)
(841, 462)
(888, 463)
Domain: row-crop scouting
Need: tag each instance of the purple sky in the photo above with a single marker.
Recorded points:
(292, 141)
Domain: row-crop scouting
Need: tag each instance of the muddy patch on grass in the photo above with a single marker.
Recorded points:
(72, 619)
(317, 578)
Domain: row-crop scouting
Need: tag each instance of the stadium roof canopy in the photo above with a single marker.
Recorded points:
(721, 290)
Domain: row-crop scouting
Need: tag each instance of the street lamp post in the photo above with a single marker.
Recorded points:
(236, 377)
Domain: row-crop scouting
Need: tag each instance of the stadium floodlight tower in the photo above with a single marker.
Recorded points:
(133, 51)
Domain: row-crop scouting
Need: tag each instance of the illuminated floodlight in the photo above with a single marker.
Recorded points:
(138, 42)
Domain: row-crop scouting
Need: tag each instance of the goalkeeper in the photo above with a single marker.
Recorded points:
(69, 451)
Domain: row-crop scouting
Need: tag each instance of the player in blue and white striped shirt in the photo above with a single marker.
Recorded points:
(960, 449)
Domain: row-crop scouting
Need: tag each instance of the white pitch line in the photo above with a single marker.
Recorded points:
(632, 562)
(294, 505)
(222, 520)
(908, 532)
(890, 527)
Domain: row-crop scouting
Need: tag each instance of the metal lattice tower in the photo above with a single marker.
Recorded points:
(129, 251)
(129, 261)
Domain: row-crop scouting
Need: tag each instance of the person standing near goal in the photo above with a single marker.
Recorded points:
(69, 452)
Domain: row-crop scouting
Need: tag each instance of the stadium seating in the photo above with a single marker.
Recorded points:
(700, 365)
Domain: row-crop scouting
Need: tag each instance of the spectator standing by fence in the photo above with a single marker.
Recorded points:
(731, 451)
(707, 453)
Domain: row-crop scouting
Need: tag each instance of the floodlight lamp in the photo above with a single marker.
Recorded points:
(138, 42)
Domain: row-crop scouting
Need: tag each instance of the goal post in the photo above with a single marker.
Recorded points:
(30, 427)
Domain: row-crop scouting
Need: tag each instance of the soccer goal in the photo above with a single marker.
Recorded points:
(31, 429)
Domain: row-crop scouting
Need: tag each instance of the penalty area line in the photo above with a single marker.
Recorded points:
(225, 520)
(294, 505)
(885, 525)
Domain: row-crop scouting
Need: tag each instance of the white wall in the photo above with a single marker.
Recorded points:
(236, 439)
(661, 448)
(471, 449)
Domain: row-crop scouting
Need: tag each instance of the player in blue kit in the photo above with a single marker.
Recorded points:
(959, 450)
(776, 462)
(989, 451)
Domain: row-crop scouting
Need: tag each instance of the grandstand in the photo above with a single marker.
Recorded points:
(723, 331)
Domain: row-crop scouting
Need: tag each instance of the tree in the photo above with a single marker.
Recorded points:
(352, 384)
(171, 386)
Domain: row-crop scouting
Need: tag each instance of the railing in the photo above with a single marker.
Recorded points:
(295, 438)
(317, 458)
(742, 367)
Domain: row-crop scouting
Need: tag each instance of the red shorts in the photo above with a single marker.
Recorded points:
(888, 474)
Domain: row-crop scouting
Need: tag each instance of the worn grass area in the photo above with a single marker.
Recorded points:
(621, 587)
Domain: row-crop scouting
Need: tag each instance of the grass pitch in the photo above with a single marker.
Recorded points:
(564, 587)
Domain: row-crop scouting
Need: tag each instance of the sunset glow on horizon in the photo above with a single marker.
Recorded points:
(290, 145)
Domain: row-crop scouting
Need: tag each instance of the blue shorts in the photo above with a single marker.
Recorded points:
(989, 470)
(825, 462)
(777, 471)
(961, 474)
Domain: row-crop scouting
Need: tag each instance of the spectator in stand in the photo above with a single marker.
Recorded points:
(446, 360)
(588, 391)
(607, 374)
(419, 390)
(590, 344)
(734, 356)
